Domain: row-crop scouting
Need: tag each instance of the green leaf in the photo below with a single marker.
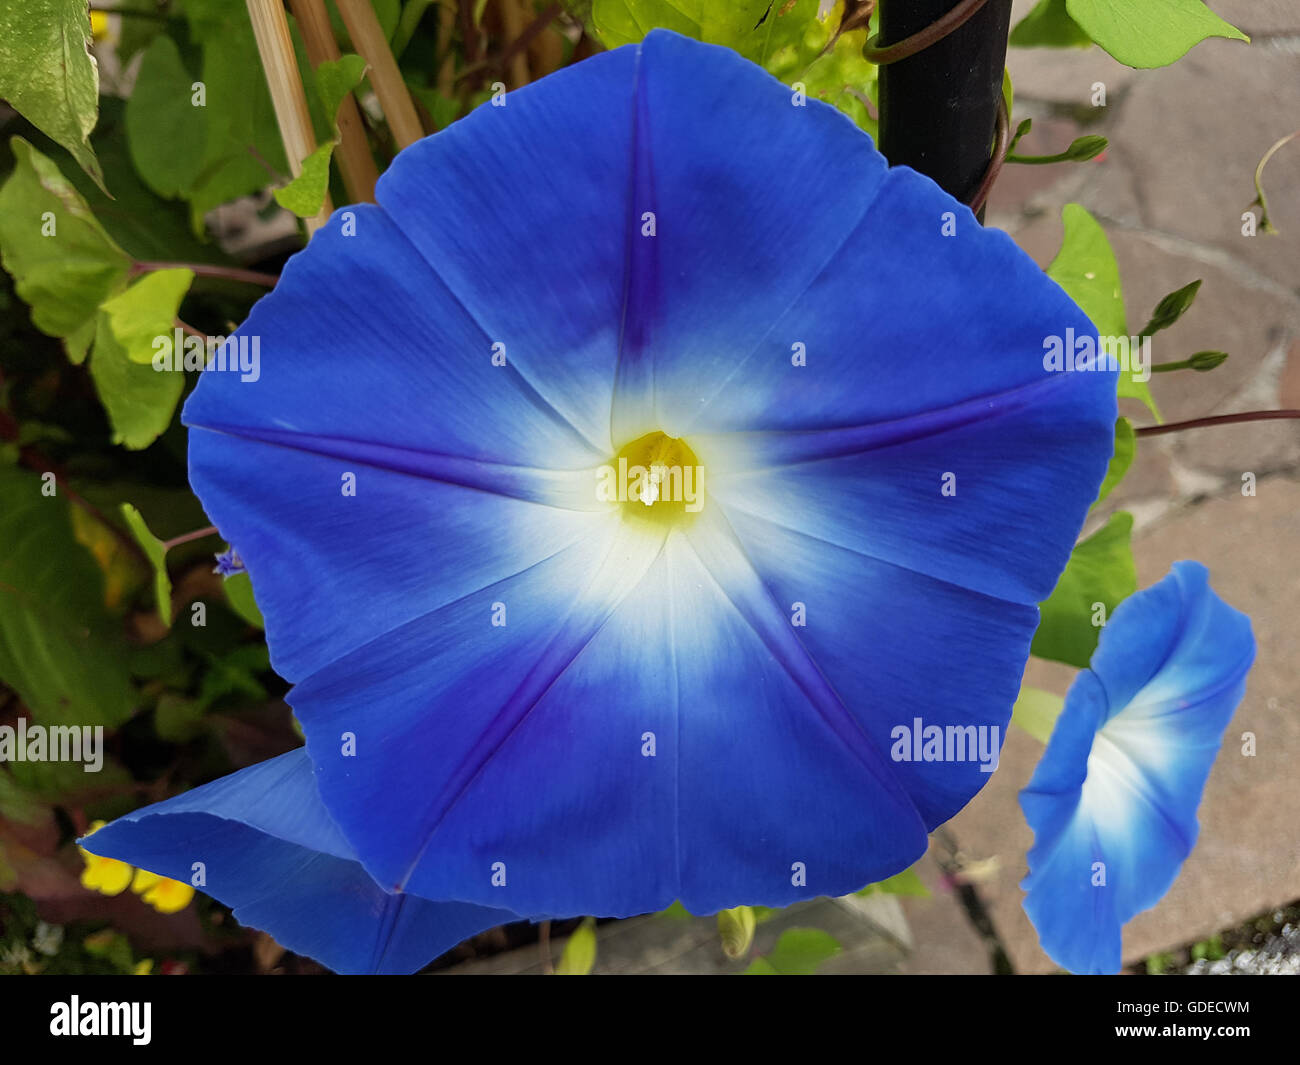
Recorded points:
(1171, 308)
(136, 217)
(76, 345)
(790, 39)
(335, 78)
(235, 674)
(736, 930)
(907, 883)
(580, 951)
(412, 12)
(68, 783)
(1024, 127)
(1049, 26)
(305, 194)
(63, 263)
(166, 134)
(139, 400)
(1149, 33)
(841, 77)
(1100, 571)
(146, 311)
(1080, 151)
(1086, 268)
(156, 552)
(124, 570)
(1204, 361)
(619, 22)
(138, 33)
(1035, 711)
(59, 650)
(239, 594)
(791, 36)
(1121, 458)
(797, 953)
(48, 74)
(17, 805)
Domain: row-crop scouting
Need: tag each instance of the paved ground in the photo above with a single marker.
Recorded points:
(1171, 190)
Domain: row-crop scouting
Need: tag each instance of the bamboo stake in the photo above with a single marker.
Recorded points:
(356, 164)
(370, 43)
(271, 29)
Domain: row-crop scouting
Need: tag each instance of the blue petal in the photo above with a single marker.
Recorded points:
(925, 373)
(1123, 774)
(522, 210)
(333, 572)
(271, 853)
(528, 780)
(901, 648)
(751, 196)
(408, 402)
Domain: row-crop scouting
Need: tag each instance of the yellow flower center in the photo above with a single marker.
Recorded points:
(655, 478)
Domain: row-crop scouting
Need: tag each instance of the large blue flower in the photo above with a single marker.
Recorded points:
(261, 842)
(520, 692)
(1113, 800)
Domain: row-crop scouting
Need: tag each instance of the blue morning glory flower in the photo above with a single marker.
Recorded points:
(260, 841)
(1113, 800)
(616, 486)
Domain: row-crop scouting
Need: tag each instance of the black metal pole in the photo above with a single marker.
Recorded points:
(938, 108)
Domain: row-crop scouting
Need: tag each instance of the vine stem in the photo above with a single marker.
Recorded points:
(1218, 419)
(1001, 144)
(882, 55)
(229, 273)
(185, 538)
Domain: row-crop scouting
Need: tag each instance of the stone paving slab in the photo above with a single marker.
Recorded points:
(1184, 144)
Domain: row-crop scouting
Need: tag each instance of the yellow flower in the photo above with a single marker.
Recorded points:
(164, 895)
(108, 876)
(99, 25)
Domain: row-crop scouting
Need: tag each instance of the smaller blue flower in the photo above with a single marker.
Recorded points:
(229, 563)
(261, 842)
(1113, 801)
